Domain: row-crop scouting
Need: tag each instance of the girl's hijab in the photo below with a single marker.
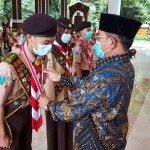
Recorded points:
(60, 32)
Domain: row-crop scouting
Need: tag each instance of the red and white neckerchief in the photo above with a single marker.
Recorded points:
(68, 69)
(36, 89)
(89, 52)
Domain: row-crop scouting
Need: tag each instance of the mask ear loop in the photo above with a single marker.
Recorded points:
(105, 42)
(35, 42)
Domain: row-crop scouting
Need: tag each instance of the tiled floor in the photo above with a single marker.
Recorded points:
(139, 110)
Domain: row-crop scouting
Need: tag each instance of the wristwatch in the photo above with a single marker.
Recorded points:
(47, 106)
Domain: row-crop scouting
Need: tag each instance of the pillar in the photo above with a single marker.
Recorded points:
(42, 6)
(63, 8)
(16, 14)
(114, 7)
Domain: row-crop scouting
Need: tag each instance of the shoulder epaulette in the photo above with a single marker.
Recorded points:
(10, 58)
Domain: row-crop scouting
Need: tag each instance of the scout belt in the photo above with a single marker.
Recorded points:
(23, 76)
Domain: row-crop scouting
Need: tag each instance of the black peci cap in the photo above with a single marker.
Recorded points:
(119, 25)
(82, 25)
(40, 25)
(64, 22)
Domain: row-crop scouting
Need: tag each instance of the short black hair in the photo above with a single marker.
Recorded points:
(127, 43)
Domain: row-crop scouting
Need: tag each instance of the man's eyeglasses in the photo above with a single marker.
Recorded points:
(98, 36)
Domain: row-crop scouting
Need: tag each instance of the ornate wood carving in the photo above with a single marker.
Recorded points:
(79, 7)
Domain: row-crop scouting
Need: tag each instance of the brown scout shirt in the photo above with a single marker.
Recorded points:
(11, 88)
(49, 85)
(80, 56)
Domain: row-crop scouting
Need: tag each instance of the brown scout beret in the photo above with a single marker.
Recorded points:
(40, 25)
(64, 22)
(82, 25)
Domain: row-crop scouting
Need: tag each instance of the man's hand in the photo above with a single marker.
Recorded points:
(50, 73)
(43, 101)
(5, 141)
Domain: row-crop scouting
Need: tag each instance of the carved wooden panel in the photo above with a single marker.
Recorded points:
(79, 7)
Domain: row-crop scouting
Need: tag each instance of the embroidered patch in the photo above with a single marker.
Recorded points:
(49, 60)
(8, 78)
(36, 62)
(76, 52)
(6, 86)
(2, 79)
(24, 80)
(15, 103)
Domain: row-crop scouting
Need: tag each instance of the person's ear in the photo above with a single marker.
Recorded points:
(29, 37)
(113, 43)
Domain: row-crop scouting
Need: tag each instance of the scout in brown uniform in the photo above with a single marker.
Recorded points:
(16, 82)
(21, 36)
(1, 41)
(83, 50)
(59, 134)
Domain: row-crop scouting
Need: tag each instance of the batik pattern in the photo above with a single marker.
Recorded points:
(104, 96)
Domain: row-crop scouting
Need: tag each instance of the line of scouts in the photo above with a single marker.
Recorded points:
(21, 85)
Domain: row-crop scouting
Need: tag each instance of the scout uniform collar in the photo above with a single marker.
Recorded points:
(30, 55)
(106, 60)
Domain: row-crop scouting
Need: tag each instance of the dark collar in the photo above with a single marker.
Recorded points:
(106, 60)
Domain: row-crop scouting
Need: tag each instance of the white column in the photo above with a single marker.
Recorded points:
(114, 7)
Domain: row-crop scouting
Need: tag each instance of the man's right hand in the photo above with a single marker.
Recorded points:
(50, 73)
(5, 141)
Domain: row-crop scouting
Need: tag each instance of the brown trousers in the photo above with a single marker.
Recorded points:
(20, 124)
(85, 73)
(59, 134)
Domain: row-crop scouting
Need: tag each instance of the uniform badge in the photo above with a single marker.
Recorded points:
(61, 58)
(70, 25)
(24, 80)
(76, 52)
(8, 78)
(49, 60)
(36, 62)
(6, 86)
(2, 79)
(15, 103)
(23, 97)
(23, 102)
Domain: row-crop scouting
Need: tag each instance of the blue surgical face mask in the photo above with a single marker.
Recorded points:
(88, 35)
(22, 39)
(42, 49)
(98, 49)
(66, 38)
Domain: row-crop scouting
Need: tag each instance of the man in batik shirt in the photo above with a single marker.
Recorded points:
(100, 101)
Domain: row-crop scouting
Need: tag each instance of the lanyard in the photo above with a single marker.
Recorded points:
(33, 71)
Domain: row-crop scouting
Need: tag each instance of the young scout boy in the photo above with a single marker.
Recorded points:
(21, 83)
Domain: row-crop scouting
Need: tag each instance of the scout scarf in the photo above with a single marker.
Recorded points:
(68, 62)
(89, 55)
(36, 89)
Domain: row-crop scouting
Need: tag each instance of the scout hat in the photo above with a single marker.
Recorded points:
(64, 22)
(119, 25)
(82, 25)
(40, 25)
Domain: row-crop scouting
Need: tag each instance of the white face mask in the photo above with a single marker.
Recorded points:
(42, 49)
(66, 38)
